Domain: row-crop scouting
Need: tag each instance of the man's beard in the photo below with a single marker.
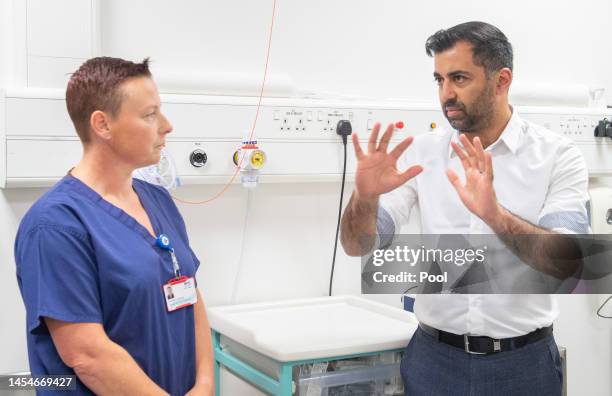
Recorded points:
(477, 117)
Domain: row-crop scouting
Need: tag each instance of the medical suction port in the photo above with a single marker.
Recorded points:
(198, 158)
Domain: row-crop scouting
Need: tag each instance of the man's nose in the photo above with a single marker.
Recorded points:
(447, 92)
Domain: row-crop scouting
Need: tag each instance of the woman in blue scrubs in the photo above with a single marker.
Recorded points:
(92, 268)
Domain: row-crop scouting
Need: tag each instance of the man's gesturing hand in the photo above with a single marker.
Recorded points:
(377, 171)
(478, 194)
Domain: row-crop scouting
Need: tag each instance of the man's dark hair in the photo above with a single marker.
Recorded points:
(490, 47)
(96, 86)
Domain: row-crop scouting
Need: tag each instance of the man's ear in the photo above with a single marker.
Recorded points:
(99, 123)
(504, 79)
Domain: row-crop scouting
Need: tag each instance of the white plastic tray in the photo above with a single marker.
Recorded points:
(315, 328)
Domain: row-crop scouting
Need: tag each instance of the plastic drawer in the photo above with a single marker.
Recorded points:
(381, 379)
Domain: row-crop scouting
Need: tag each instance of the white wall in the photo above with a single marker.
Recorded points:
(363, 48)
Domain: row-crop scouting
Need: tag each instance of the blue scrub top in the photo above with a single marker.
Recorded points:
(81, 259)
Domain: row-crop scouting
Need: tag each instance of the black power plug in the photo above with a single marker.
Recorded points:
(604, 129)
(344, 129)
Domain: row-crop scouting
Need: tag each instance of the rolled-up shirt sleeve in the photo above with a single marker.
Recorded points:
(564, 208)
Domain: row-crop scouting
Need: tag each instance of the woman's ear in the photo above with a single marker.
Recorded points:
(99, 123)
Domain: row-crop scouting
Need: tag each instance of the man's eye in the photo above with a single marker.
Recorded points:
(438, 80)
(459, 79)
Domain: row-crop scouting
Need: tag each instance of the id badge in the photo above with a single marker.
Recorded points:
(180, 293)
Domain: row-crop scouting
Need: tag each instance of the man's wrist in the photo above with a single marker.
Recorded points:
(363, 203)
(498, 221)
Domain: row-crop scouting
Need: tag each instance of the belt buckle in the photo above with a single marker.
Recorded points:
(496, 345)
(466, 344)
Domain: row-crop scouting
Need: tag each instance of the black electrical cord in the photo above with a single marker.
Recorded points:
(331, 276)
(602, 307)
(343, 129)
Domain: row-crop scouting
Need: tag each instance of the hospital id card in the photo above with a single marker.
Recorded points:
(180, 293)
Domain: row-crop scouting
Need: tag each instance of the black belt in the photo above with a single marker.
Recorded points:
(482, 345)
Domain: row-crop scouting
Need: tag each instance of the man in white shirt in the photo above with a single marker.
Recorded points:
(475, 344)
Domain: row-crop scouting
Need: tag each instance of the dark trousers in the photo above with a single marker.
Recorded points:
(430, 367)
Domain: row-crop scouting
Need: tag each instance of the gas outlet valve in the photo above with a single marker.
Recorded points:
(198, 158)
(251, 159)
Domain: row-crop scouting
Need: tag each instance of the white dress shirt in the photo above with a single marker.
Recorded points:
(539, 176)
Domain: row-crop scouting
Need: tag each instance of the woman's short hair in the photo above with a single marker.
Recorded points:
(96, 85)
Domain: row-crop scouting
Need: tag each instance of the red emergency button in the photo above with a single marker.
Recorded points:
(399, 125)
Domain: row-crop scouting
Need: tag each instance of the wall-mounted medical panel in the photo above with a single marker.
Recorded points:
(37, 116)
(32, 163)
(3, 157)
(578, 125)
(304, 158)
(43, 113)
(289, 120)
(38, 144)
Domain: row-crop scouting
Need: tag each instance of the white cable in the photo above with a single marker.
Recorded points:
(238, 276)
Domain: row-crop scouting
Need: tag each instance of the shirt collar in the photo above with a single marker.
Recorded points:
(510, 136)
